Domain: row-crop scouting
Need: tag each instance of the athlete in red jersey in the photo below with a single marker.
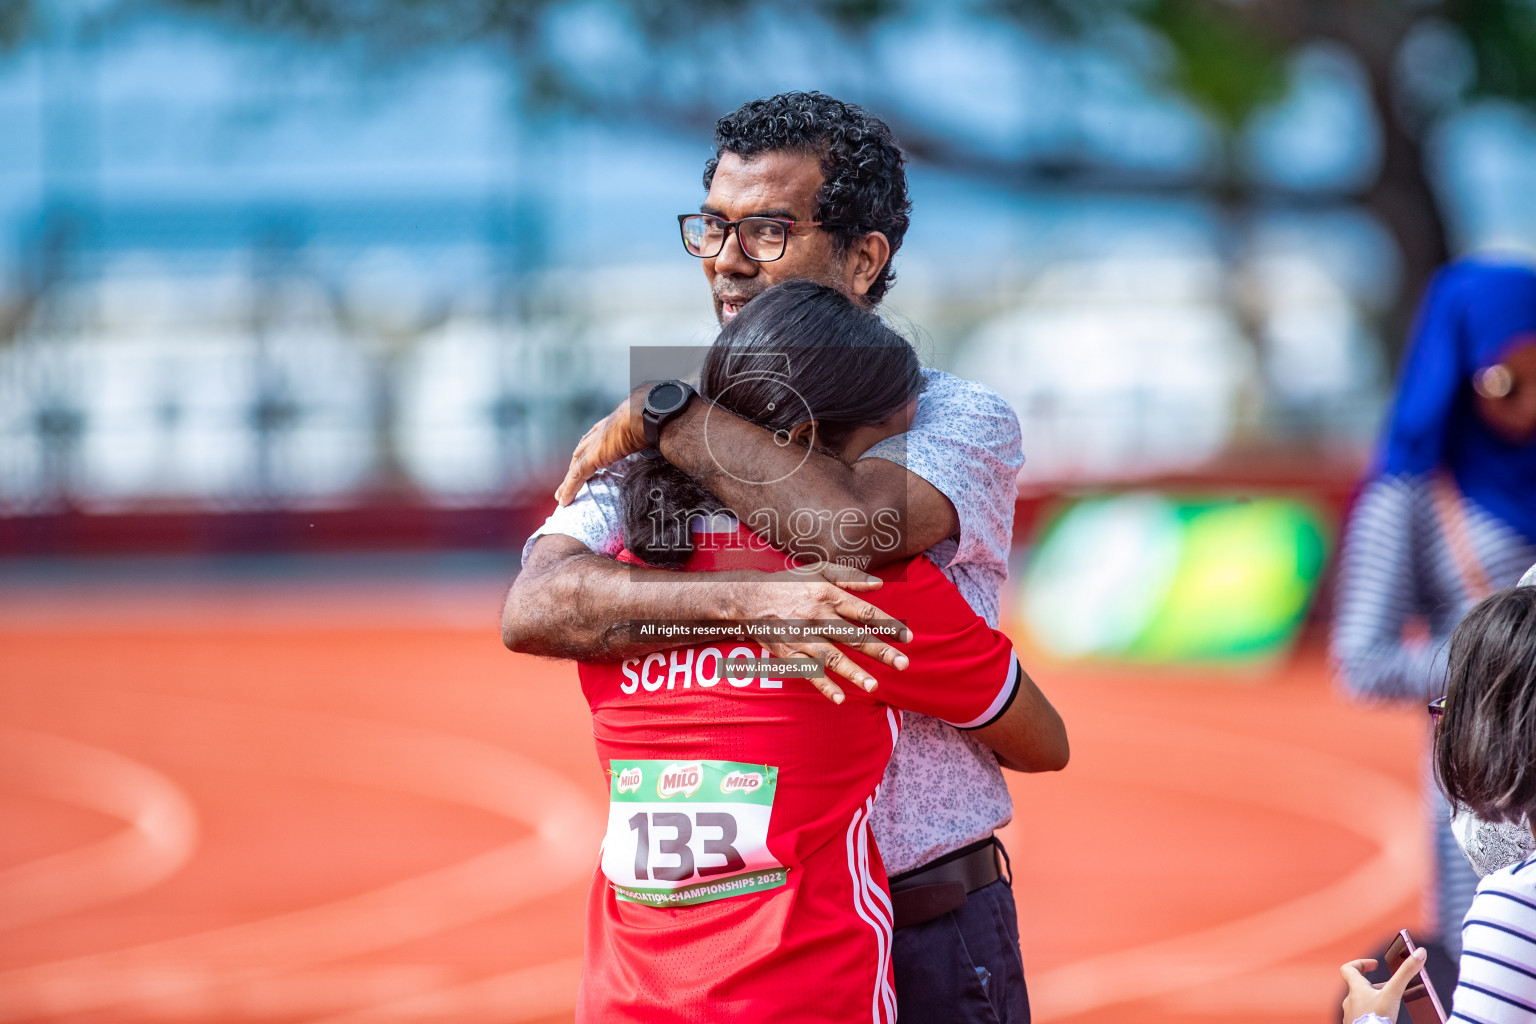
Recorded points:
(739, 880)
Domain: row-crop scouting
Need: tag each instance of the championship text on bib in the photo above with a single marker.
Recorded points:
(685, 832)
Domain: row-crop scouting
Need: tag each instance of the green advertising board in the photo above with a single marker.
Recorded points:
(1145, 577)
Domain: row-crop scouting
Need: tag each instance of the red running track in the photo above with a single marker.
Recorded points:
(347, 803)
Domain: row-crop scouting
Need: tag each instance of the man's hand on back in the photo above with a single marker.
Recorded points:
(821, 594)
(571, 603)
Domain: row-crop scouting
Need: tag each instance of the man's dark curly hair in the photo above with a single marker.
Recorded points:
(864, 178)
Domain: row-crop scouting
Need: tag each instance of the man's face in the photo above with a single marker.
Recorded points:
(773, 184)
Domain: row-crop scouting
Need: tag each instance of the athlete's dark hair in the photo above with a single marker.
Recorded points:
(864, 178)
(1485, 744)
(799, 351)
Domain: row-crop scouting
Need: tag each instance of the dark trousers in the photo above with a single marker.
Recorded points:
(964, 967)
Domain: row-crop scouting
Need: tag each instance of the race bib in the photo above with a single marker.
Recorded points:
(686, 832)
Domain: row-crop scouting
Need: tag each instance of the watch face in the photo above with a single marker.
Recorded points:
(665, 397)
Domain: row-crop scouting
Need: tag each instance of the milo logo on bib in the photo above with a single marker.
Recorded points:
(741, 782)
(700, 834)
(682, 779)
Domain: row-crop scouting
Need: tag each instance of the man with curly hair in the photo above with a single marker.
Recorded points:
(806, 186)
(840, 168)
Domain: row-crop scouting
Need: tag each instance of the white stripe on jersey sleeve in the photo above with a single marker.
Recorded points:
(999, 703)
(885, 920)
(882, 999)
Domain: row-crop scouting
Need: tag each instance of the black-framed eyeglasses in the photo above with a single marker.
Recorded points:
(1436, 708)
(762, 239)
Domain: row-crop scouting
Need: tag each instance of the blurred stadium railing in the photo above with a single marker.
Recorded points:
(371, 390)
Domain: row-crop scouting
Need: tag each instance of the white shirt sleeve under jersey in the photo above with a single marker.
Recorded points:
(965, 441)
(592, 517)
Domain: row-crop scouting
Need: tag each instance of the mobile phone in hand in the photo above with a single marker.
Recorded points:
(1419, 999)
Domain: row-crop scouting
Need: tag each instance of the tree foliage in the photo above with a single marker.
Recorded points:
(1223, 61)
(1231, 59)
(15, 22)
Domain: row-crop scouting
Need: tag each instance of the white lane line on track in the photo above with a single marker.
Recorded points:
(334, 988)
(1270, 774)
(315, 606)
(530, 993)
(168, 975)
(1307, 989)
(160, 837)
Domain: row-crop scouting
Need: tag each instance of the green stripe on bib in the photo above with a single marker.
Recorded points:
(692, 782)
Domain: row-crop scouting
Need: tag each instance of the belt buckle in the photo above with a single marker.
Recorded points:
(926, 902)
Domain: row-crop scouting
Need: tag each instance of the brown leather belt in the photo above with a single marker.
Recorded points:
(936, 888)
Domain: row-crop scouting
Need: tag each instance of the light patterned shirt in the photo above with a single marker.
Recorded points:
(942, 788)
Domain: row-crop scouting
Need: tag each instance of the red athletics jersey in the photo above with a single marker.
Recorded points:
(739, 879)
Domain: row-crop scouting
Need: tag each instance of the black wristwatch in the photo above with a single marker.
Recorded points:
(663, 402)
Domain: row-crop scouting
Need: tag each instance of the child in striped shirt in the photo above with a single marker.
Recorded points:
(1485, 761)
